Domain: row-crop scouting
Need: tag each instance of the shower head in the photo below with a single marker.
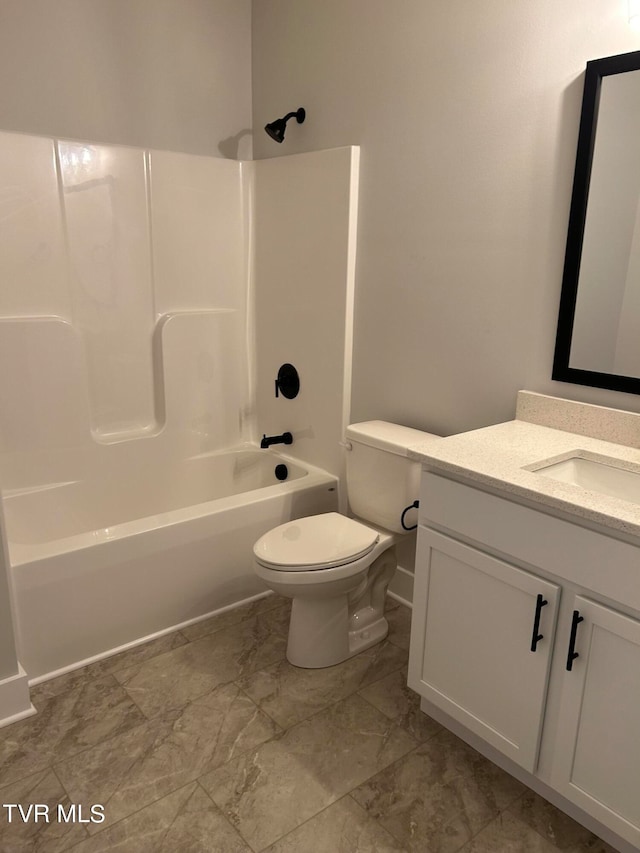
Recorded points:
(276, 128)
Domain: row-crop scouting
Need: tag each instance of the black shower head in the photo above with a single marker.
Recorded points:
(276, 128)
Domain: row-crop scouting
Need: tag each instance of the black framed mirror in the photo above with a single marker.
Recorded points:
(598, 337)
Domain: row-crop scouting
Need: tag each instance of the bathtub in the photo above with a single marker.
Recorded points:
(103, 564)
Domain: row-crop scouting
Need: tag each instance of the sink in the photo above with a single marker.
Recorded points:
(597, 476)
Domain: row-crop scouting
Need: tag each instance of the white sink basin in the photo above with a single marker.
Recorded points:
(597, 476)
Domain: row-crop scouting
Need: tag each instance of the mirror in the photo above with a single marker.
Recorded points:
(598, 338)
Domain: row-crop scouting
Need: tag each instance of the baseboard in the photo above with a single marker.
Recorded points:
(401, 586)
(15, 702)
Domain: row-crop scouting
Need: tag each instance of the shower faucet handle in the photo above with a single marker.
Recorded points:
(287, 382)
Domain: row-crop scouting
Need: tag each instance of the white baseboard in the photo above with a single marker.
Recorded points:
(401, 586)
(15, 703)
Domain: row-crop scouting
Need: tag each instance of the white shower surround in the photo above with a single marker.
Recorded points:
(128, 339)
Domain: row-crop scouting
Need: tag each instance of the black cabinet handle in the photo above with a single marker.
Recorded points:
(535, 637)
(572, 655)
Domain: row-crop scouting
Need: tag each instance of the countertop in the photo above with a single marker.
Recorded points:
(499, 456)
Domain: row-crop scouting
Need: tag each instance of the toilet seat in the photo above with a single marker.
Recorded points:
(315, 542)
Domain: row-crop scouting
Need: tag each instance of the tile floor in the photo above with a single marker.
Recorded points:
(208, 740)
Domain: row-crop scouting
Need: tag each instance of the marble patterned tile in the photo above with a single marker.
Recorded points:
(290, 694)
(343, 827)
(90, 712)
(396, 700)
(508, 835)
(185, 820)
(63, 683)
(556, 826)
(439, 796)
(144, 764)
(399, 619)
(177, 677)
(20, 755)
(270, 791)
(276, 619)
(233, 617)
(44, 835)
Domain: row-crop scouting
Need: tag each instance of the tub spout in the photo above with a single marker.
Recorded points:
(268, 440)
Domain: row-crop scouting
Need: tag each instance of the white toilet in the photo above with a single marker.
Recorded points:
(337, 569)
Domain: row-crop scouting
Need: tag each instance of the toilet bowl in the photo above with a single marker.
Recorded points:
(336, 569)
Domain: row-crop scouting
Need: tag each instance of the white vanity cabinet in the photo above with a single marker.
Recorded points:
(597, 747)
(510, 642)
(481, 618)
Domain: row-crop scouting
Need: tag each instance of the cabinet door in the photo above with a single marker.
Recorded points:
(475, 622)
(597, 757)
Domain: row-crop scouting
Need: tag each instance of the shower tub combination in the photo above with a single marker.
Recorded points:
(98, 566)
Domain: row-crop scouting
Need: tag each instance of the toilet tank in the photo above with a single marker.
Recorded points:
(381, 479)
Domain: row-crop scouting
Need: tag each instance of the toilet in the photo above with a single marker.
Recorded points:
(337, 569)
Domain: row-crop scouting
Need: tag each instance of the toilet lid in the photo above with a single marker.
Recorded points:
(315, 542)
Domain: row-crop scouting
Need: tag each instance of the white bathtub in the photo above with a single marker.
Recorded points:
(100, 565)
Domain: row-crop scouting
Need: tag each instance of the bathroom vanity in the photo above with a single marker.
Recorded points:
(526, 609)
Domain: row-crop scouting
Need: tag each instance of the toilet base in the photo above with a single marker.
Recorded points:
(364, 638)
(318, 632)
(326, 631)
(332, 644)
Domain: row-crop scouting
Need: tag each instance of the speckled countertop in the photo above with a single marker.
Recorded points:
(504, 457)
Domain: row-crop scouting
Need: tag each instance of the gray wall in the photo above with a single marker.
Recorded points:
(171, 74)
(467, 117)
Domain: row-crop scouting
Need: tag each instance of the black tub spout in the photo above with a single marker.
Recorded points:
(268, 440)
